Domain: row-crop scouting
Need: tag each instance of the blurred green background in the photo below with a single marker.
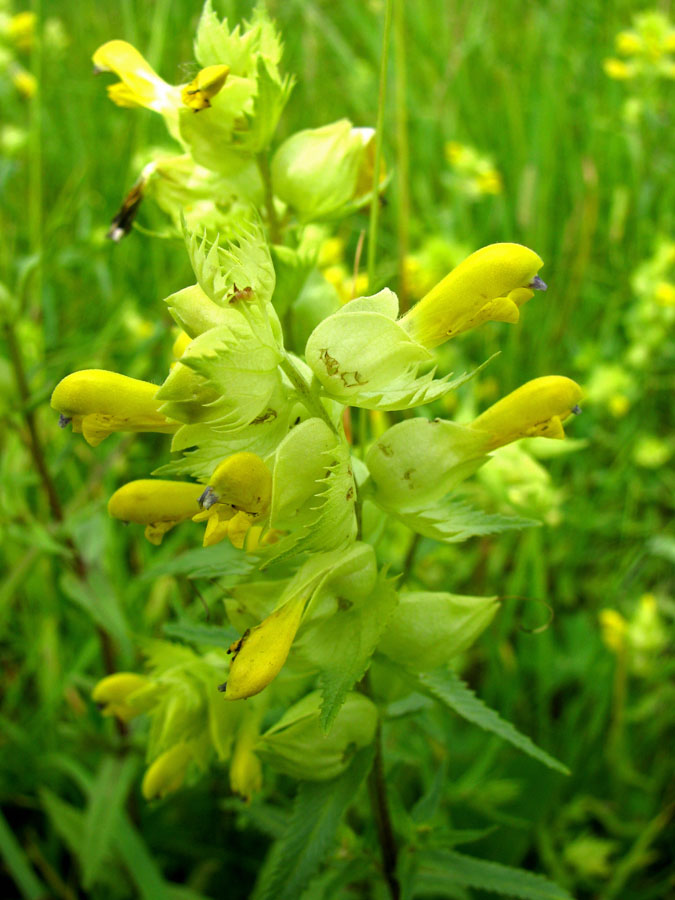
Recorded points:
(547, 150)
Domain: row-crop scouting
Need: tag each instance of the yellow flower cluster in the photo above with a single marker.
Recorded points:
(647, 49)
(474, 173)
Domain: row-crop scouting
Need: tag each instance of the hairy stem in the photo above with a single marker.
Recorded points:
(375, 200)
(272, 218)
(309, 398)
(377, 791)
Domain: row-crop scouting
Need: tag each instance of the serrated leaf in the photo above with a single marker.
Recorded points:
(239, 48)
(453, 521)
(439, 867)
(317, 811)
(448, 687)
(271, 97)
(341, 645)
(202, 635)
(106, 800)
(222, 561)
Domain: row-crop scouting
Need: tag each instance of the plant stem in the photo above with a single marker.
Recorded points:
(37, 452)
(309, 398)
(377, 791)
(272, 218)
(375, 200)
(402, 150)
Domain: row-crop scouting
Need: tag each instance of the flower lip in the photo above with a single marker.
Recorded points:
(538, 284)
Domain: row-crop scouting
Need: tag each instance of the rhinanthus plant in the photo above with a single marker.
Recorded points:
(295, 448)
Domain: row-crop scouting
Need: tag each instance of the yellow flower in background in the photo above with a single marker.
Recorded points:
(536, 409)
(159, 505)
(180, 345)
(167, 772)
(628, 43)
(238, 494)
(21, 30)
(474, 173)
(618, 69)
(490, 285)
(115, 694)
(259, 655)
(99, 403)
(664, 293)
(25, 83)
(613, 628)
(198, 93)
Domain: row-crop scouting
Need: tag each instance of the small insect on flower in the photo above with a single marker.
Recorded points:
(198, 93)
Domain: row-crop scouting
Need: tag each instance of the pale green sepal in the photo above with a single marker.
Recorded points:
(417, 461)
(302, 461)
(297, 745)
(194, 312)
(385, 302)
(226, 375)
(216, 44)
(270, 99)
(428, 629)
(235, 274)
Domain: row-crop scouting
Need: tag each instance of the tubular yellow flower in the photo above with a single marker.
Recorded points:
(536, 409)
(167, 772)
(140, 85)
(259, 655)
(99, 403)
(114, 692)
(159, 505)
(198, 93)
(490, 285)
(237, 495)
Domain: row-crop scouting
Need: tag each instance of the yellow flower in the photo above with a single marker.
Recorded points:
(618, 69)
(238, 494)
(197, 95)
(331, 251)
(115, 694)
(21, 30)
(490, 285)
(140, 85)
(628, 43)
(619, 404)
(665, 293)
(167, 772)
(99, 402)
(159, 505)
(180, 345)
(489, 182)
(536, 409)
(259, 655)
(613, 627)
(25, 83)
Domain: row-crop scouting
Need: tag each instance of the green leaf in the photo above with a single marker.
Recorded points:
(106, 800)
(318, 809)
(18, 865)
(449, 688)
(67, 820)
(271, 98)
(439, 868)
(97, 599)
(139, 863)
(222, 561)
(341, 645)
(203, 635)
(453, 521)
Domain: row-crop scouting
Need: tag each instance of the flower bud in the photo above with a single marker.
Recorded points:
(297, 745)
(159, 505)
(198, 93)
(536, 409)
(115, 692)
(100, 402)
(316, 171)
(490, 285)
(428, 629)
(167, 772)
